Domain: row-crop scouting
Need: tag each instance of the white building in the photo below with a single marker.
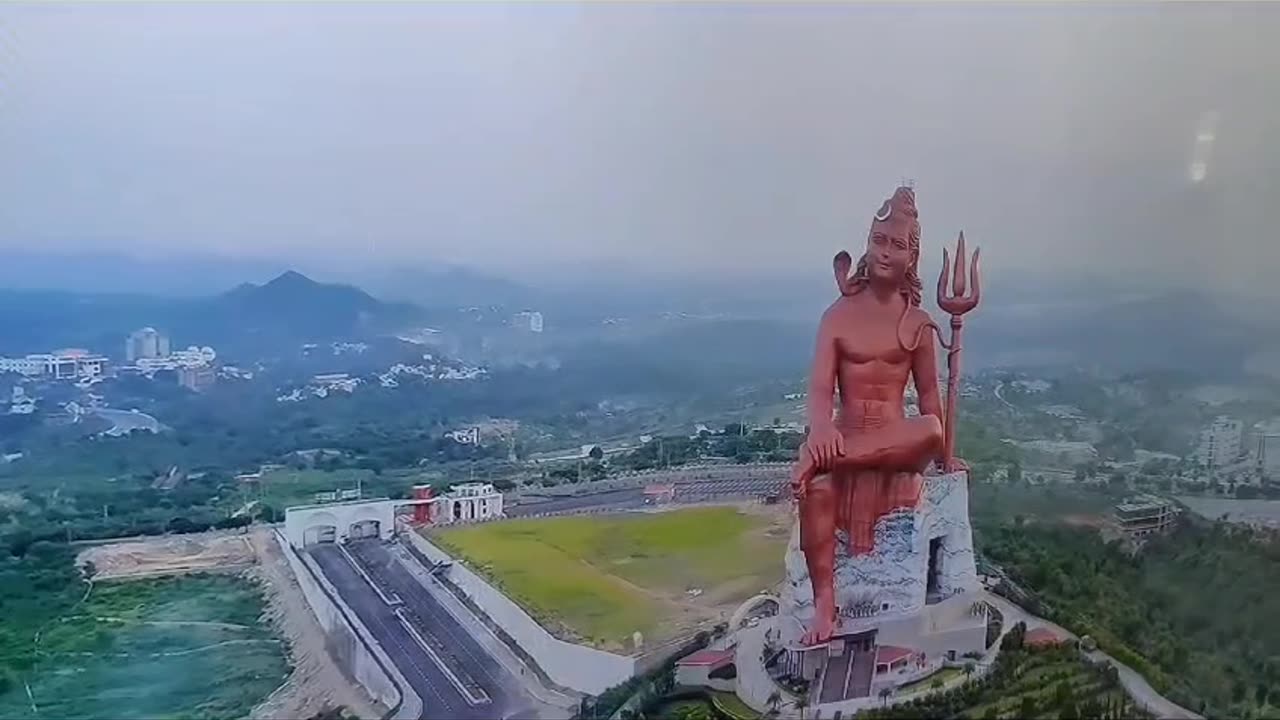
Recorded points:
(469, 502)
(1267, 450)
(146, 343)
(467, 436)
(529, 320)
(1220, 443)
(67, 364)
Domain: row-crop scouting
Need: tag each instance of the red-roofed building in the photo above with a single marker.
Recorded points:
(892, 658)
(706, 668)
(1042, 637)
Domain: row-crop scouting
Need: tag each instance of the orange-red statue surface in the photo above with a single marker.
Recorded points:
(867, 460)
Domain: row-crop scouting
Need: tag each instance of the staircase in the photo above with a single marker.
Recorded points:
(834, 677)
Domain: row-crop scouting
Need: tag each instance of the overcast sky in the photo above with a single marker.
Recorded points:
(532, 137)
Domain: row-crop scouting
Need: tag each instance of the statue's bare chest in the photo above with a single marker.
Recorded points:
(871, 342)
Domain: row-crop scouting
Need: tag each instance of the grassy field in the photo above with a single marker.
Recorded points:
(600, 578)
(181, 647)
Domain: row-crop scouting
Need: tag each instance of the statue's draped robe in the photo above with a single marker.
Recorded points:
(865, 496)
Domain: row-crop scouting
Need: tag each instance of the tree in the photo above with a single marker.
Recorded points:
(775, 699)
(885, 694)
(596, 453)
(802, 704)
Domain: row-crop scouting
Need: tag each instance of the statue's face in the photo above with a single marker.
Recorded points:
(889, 250)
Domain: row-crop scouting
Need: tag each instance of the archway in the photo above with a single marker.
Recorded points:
(319, 534)
(361, 529)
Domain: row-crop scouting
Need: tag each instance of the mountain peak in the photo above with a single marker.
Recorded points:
(291, 277)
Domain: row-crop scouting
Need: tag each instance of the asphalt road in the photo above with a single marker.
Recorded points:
(462, 653)
(442, 699)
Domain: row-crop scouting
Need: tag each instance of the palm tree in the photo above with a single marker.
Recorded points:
(885, 693)
(968, 670)
(775, 699)
(802, 703)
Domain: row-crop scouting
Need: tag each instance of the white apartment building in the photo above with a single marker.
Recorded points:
(1220, 443)
(146, 343)
(469, 502)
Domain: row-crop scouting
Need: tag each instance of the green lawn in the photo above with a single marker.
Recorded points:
(597, 576)
(179, 647)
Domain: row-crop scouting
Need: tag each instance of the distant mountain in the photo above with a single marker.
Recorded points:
(250, 320)
(295, 306)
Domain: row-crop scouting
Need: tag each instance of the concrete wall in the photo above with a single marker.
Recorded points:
(573, 666)
(360, 660)
(341, 516)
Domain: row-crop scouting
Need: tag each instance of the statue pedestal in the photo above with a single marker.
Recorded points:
(906, 607)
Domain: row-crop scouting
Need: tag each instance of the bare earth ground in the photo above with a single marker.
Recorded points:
(170, 555)
(316, 683)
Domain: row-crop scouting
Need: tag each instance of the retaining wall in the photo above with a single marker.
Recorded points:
(346, 641)
(577, 667)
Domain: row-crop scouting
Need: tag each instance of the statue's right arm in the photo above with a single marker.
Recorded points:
(824, 441)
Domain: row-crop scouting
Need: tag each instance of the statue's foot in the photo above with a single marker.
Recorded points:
(823, 627)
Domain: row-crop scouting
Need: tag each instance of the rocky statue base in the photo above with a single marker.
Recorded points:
(907, 608)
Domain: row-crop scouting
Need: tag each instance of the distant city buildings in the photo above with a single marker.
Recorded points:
(147, 343)
(192, 357)
(1220, 443)
(1145, 515)
(528, 320)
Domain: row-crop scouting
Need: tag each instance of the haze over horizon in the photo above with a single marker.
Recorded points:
(539, 141)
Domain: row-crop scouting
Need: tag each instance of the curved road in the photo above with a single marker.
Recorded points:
(1136, 685)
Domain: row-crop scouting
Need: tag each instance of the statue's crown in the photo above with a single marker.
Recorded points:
(903, 203)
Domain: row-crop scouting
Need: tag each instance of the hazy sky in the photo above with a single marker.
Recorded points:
(532, 137)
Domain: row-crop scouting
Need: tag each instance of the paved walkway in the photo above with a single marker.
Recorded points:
(1136, 685)
(754, 684)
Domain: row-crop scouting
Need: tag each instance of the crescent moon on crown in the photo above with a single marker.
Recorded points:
(885, 211)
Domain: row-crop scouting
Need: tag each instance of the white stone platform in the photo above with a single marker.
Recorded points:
(891, 581)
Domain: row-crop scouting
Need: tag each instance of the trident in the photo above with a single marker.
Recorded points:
(957, 305)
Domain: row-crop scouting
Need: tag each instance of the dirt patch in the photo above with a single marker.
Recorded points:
(198, 552)
(315, 683)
